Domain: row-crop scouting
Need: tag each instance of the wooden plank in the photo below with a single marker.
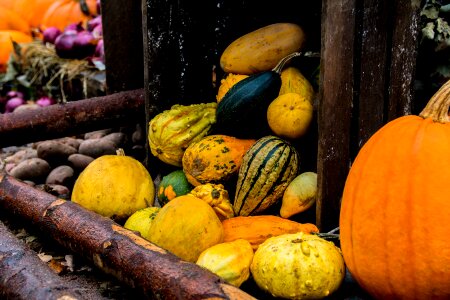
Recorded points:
(403, 60)
(334, 112)
(374, 71)
(122, 34)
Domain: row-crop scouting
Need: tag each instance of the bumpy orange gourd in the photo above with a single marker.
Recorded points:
(257, 229)
(64, 12)
(6, 46)
(214, 159)
(395, 207)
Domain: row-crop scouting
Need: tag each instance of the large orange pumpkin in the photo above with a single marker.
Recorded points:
(8, 4)
(396, 207)
(6, 46)
(32, 10)
(10, 20)
(64, 12)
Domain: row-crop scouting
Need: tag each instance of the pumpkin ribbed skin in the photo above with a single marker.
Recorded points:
(267, 169)
(11, 20)
(171, 131)
(395, 208)
(35, 10)
(64, 12)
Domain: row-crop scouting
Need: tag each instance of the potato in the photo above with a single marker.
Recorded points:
(54, 152)
(97, 147)
(80, 161)
(32, 169)
(97, 134)
(62, 175)
(262, 49)
(117, 138)
(21, 155)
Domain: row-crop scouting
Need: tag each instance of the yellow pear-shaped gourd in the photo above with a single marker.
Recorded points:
(217, 197)
(298, 266)
(230, 260)
(293, 81)
(300, 194)
(114, 186)
(186, 226)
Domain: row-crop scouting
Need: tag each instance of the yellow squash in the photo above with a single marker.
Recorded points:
(261, 49)
(217, 197)
(300, 194)
(231, 261)
(293, 81)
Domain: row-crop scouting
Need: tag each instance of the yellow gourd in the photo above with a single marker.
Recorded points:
(293, 81)
(141, 220)
(289, 115)
(114, 186)
(227, 83)
(217, 197)
(298, 266)
(261, 49)
(230, 260)
(186, 226)
(300, 194)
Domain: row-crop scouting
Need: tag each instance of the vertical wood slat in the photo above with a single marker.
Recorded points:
(334, 112)
(122, 36)
(404, 53)
(368, 67)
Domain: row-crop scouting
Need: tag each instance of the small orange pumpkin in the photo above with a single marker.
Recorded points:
(6, 46)
(64, 12)
(395, 207)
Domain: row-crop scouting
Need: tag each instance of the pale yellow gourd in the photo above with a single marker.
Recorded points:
(293, 81)
(298, 266)
(300, 194)
(230, 260)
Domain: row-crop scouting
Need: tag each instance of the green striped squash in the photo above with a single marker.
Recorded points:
(267, 169)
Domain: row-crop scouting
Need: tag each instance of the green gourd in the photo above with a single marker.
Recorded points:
(242, 111)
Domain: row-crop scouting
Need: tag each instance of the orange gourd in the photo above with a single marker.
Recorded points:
(214, 158)
(395, 207)
(10, 20)
(35, 10)
(8, 4)
(257, 229)
(64, 12)
(6, 46)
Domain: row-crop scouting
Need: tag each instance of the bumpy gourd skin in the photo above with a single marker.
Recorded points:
(217, 197)
(298, 266)
(230, 260)
(171, 131)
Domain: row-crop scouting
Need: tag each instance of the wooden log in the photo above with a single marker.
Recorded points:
(130, 258)
(24, 276)
(72, 118)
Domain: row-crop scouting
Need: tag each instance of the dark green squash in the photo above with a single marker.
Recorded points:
(266, 170)
(173, 185)
(242, 111)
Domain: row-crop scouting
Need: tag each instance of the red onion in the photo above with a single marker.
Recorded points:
(84, 44)
(97, 32)
(64, 44)
(50, 34)
(14, 94)
(74, 26)
(91, 24)
(45, 101)
(13, 103)
(100, 50)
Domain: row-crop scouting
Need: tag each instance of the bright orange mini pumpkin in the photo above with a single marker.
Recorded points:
(35, 10)
(10, 20)
(395, 207)
(64, 12)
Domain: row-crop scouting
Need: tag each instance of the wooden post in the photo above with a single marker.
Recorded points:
(369, 51)
(122, 33)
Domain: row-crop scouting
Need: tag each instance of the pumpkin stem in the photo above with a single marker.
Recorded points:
(437, 107)
(120, 152)
(85, 8)
(279, 67)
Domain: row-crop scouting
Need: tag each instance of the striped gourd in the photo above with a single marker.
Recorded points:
(267, 169)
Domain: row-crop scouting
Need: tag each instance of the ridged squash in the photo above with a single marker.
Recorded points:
(261, 49)
(214, 158)
(298, 266)
(267, 169)
(186, 226)
(231, 261)
(171, 131)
